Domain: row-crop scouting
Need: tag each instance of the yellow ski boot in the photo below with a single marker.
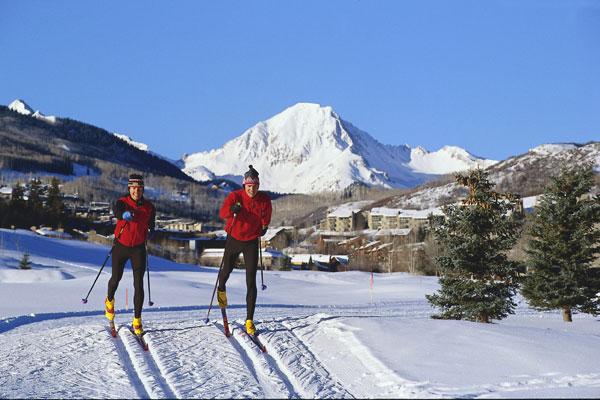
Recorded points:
(137, 326)
(250, 329)
(222, 298)
(109, 309)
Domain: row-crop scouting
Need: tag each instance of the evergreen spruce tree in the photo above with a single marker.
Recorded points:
(477, 280)
(25, 263)
(565, 241)
(17, 200)
(34, 199)
(55, 203)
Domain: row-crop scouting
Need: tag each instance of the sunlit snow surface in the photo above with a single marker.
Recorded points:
(328, 335)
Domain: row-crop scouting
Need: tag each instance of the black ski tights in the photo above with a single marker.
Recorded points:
(137, 255)
(233, 248)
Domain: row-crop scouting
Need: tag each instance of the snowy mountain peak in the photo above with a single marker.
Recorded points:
(552, 148)
(21, 107)
(446, 160)
(310, 148)
(141, 146)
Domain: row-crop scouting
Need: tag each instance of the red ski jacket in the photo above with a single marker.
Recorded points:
(248, 223)
(135, 231)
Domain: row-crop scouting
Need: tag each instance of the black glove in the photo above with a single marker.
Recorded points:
(236, 208)
(264, 230)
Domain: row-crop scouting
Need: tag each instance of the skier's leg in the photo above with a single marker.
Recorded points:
(138, 263)
(230, 256)
(120, 254)
(251, 261)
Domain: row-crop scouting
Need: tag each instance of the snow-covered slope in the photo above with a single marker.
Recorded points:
(146, 148)
(328, 335)
(525, 174)
(22, 108)
(138, 145)
(309, 148)
(446, 160)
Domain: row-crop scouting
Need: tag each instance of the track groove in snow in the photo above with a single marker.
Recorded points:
(274, 382)
(197, 362)
(300, 364)
(73, 371)
(376, 379)
(148, 372)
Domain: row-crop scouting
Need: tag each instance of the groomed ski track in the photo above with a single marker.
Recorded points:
(73, 355)
(187, 358)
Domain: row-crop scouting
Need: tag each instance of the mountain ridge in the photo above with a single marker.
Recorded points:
(310, 148)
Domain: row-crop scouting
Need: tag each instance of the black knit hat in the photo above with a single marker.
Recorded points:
(135, 180)
(251, 177)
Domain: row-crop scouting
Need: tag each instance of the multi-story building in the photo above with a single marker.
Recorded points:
(344, 220)
(398, 218)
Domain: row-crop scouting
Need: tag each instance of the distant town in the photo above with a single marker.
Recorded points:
(350, 236)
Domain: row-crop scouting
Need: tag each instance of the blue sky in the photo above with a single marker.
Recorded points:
(184, 76)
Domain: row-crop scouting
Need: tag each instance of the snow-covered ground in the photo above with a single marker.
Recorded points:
(328, 335)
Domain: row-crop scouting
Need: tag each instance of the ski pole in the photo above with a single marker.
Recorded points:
(216, 283)
(150, 302)
(262, 281)
(84, 301)
(212, 299)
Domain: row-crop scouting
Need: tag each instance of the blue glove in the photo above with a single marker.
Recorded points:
(151, 234)
(236, 208)
(128, 216)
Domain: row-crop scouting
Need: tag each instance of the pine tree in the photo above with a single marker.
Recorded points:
(55, 203)
(477, 280)
(565, 242)
(25, 263)
(34, 199)
(17, 198)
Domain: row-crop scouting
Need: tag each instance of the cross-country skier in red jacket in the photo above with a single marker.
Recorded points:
(247, 213)
(135, 220)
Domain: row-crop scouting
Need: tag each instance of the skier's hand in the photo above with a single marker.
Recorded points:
(236, 208)
(264, 230)
(128, 216)
(151, 234)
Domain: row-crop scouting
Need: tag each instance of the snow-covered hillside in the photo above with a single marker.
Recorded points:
(521, 173)
(137, 145)
(329, 335)
(309, 148)
(22, 108)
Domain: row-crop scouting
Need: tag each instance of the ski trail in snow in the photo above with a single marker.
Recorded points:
(84, 364)
(160, 368)
(82, 266)
(547, 381)
(368, 376)
(273, 381)
(127, 363)
(300, 365)
(198, 362)
(145, 367)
